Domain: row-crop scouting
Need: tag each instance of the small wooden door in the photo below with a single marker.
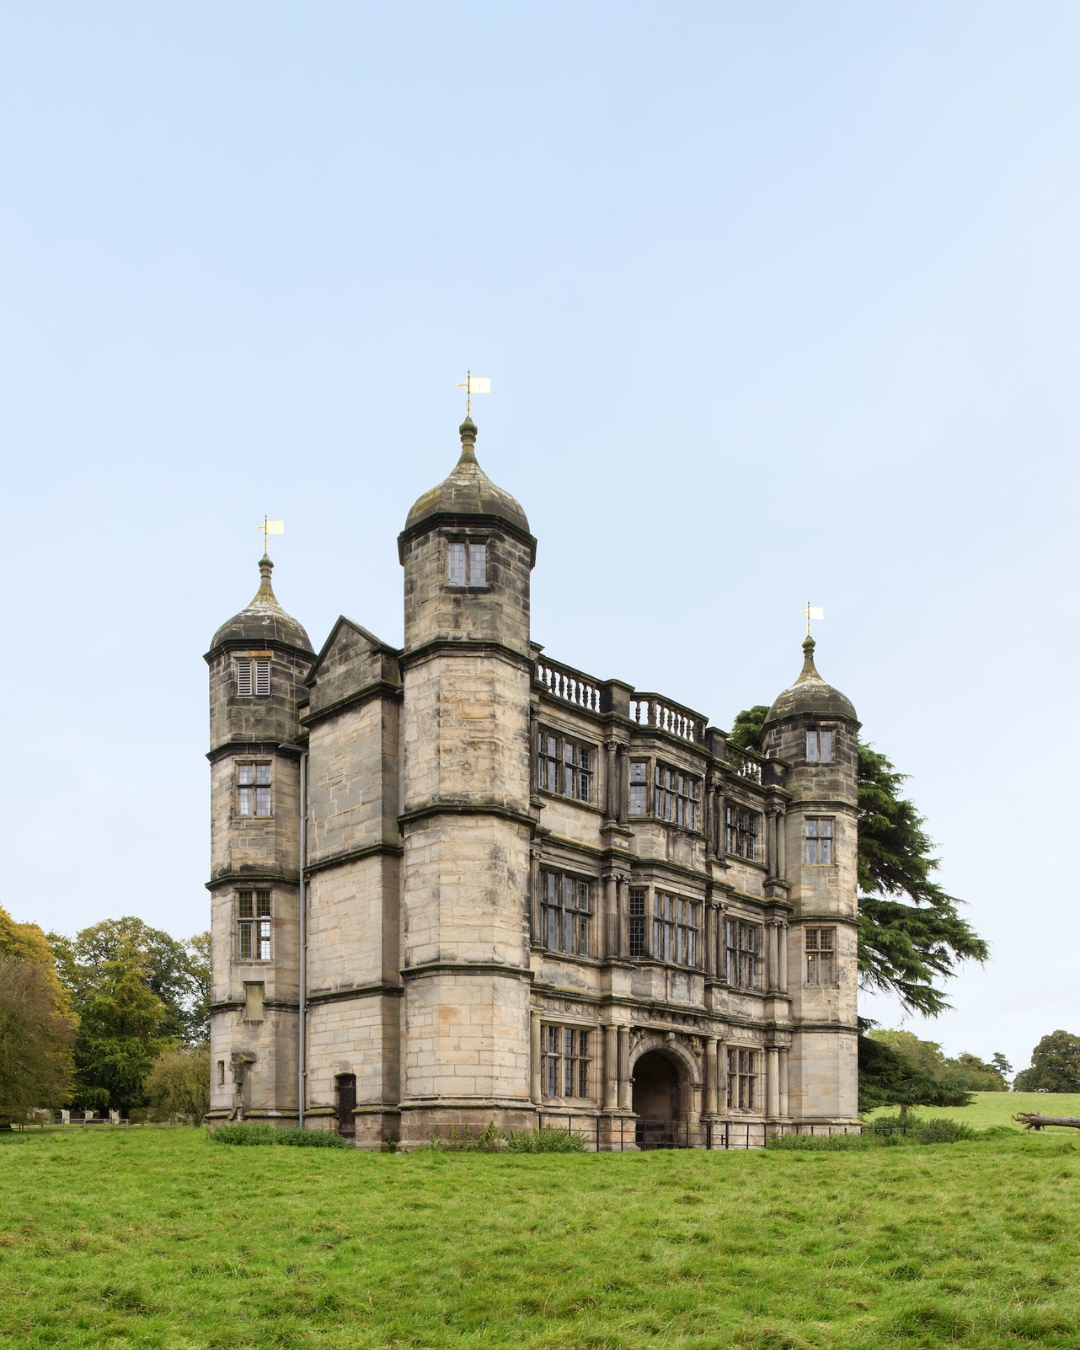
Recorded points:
(346, 1100)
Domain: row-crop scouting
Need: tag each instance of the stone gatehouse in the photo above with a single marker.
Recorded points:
(463, 881)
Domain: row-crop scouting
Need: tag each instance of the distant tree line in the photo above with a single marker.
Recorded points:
(116, 1017)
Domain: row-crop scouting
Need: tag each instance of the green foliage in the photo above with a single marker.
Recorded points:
(748, 726)
(910, 929)
(179, 1083)
(257, 1135)
(1055, 1065)
(121, 1021)
(36, 1038)
(932, 1130)
(250, 1136)
(1001, 1064)
(545, 1140)
(911, 934)
(965, 1073)
(889, 1077)
(177, 972)
(150, 1238)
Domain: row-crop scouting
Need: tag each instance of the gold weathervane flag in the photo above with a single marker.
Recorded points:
(474, 384)
(811, 612)
(269, 527)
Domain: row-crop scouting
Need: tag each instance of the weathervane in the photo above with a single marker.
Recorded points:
(473, 384)
(811, 612)
(269, 527)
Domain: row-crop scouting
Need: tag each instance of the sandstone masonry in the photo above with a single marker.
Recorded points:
(529, 895)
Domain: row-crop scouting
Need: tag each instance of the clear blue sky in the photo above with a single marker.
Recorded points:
(779, 301)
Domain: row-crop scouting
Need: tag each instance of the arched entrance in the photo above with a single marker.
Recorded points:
(656, 1101)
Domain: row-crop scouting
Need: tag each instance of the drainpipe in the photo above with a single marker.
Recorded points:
(301, 754)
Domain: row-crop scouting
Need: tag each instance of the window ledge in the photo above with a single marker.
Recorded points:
(570, 801)
(750, 862)
(467, 590)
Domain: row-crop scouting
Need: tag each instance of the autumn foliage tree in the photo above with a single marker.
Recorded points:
(37, 1026)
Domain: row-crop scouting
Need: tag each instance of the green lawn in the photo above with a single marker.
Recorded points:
(998, 1108)
(159, 1238)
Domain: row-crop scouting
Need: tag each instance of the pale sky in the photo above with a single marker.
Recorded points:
(778, 301)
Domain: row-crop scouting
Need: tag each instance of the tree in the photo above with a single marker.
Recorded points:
(1055, 1065)
(1001, 1064)
(179, 1082)
(910, 930)
(889, 1077)
(970, 1072)
(36, 1037)
(177, 972)
(123, 1027)
(197, 949)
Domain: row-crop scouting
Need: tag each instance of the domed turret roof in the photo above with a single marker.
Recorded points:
(467, 491)
(810, 695)
(263, 620)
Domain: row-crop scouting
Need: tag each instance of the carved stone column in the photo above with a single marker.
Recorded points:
(721, 1075)
(536, 1061)
(611, 1068)
(711, 831)
(782, 941)
(784, 1081)
(620, 783)
(781, 845)
(534, 895)
(710, 1075)
(772, 1082)
(622, 918)
(711, 909)
(609, 935)
(770, 842)
(534, 757)
(774, 956)
(611, 770)
(625, 1094)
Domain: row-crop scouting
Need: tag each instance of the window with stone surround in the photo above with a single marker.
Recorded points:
(252, 676)
(567, 1061)
(676, 797)
(466, 564)
(564, 766)
(819, 837)
(639, 787)
(565, 913)
(742, 831)
(637, 923)
(742, 945)
(675, 930)
(253, 790)
(819, 747)
(820, 951)
(253, 925)
(742, 1079)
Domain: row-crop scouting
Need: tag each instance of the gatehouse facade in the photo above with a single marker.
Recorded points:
(464, 882)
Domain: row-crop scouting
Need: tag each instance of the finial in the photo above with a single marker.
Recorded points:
(467, 431)
(809, 670)
(266, 590)
(474, 384)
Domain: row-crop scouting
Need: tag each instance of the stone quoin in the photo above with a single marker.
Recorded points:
(530, 895)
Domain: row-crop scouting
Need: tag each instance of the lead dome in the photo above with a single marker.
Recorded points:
(810, 695)
(467, 491)
(263, 620)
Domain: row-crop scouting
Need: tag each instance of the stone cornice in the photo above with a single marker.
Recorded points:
(468, 521)
(378, 689)
(247, 645)
(241, 747)
(466, 968)
(353, 855)
(252, 879)
(465, 809)
(377, 990)
(464, 647)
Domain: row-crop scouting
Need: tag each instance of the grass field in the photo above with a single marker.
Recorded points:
(159, 1238)
(998, 1108)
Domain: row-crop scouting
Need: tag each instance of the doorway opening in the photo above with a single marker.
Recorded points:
(656, 1101)
(346, 1100)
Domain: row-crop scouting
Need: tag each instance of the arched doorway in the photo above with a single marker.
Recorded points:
(656, 1100)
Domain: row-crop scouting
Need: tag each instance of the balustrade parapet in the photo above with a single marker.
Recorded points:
(663, 714)
(573, 686)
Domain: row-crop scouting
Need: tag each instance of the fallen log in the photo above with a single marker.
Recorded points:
(1032, 1120)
